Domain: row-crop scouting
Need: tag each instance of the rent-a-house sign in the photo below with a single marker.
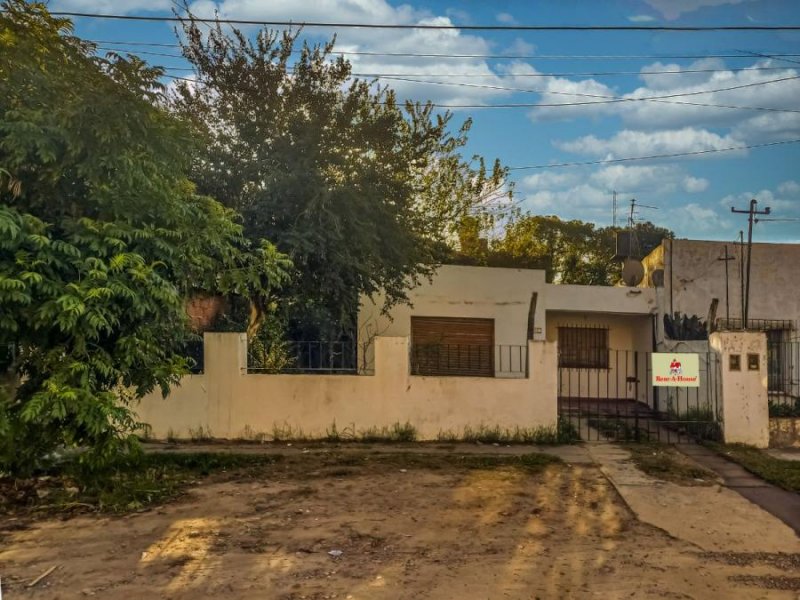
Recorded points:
(676, 370)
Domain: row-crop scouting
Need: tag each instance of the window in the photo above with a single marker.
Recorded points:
(452, 346)
(583, 347)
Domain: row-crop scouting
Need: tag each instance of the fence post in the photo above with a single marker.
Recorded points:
(745, 409)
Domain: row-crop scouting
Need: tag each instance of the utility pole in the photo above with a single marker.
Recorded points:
(741, 276)
(751, 213)
(614, 208)
(726, 257)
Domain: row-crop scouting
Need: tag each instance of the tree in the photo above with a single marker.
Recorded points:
(568, 251)
(102, 238)
(362, 194)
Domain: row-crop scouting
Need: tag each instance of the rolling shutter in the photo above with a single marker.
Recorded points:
(452, 346)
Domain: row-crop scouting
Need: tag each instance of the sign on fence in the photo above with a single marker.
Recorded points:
(676, 370)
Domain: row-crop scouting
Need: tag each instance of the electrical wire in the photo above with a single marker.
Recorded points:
(653, 156)
(350, 25)
(495, 56)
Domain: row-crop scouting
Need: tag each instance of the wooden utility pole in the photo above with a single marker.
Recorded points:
(726, 257)
(751, 213)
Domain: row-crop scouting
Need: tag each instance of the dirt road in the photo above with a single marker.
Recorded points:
(345, 531)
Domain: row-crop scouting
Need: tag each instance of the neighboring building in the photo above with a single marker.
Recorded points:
(689, 274)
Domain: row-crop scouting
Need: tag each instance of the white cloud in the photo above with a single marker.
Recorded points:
(672, 9)
(111, 6)
(654, 179)
(629, 143)
(785, 202)
(694, 185)
(587, 195)
(505, 18)
(697, 219)
(641, 19)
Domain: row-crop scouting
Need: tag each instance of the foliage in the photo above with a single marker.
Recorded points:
(101, 240)
(568, 251)
(684, 327)
(668, 464)
(784, 409)
(563, 433)
(128, 483)
(361, 193)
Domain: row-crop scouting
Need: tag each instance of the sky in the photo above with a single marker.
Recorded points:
(692, 195)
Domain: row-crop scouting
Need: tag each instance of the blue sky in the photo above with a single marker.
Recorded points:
(693, 194)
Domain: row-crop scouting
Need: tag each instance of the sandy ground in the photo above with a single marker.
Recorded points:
(402, 533)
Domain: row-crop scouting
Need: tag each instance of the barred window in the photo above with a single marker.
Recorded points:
(583, 347)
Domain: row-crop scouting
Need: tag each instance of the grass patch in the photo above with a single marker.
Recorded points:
(666, 463)
(783, 473)
(136, 482)
(132, 483)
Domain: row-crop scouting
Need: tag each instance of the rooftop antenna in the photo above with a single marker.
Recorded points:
(634, 245)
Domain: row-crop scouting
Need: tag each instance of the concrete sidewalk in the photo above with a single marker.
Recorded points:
(715, 518)
(781, 503)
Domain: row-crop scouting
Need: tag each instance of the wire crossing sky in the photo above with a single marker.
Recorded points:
(691, 106)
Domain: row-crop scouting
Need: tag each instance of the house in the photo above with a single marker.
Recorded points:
(688, 275)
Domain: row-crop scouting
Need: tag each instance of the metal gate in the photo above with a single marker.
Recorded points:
(617, 401)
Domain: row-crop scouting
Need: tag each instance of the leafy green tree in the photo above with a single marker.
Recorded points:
(361, 193)
(569, 251)
(102, 238)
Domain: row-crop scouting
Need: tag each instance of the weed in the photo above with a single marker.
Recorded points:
(171, 437)
(287, 433)
(666, 463)
(783, 409)
(783, 473)
(333, 435)
(201, 434)
(398, 432)
(562, 433)
(250, 435)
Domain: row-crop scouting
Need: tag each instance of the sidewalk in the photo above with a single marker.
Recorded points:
(714, 518)
(781, 503)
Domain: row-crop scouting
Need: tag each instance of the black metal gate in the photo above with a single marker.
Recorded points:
(617, 401)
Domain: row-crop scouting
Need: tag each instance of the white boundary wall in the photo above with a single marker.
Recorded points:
(230, 403)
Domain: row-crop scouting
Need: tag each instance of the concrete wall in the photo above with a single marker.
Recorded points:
(693, 275)
(744, 393)
(230, 403)
(784, 432)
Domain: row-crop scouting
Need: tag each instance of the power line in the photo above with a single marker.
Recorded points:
(607, 99)
(494, 56)
(614, 100)
(653, 156)
(346, 25)
(554, 74)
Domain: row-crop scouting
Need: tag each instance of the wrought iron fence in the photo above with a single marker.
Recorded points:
(754, 324)
(194, 350)
(469, 360)
(304, 357)
(620, 403)
(783, 370)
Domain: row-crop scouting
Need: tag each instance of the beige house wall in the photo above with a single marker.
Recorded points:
(505, 295)
(629, 340)
(230, 403)
(744, 392)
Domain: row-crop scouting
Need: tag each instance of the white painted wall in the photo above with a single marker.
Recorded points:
(744, 392)
(233, 404)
